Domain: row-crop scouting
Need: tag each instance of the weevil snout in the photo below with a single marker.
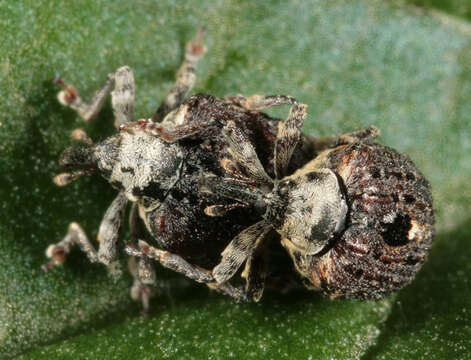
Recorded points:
(78, 158)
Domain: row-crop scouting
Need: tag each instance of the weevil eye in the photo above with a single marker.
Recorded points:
(285, 186)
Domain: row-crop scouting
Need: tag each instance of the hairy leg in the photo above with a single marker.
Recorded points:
(255, 269)
(139, 291)
(70, 97)
(107, 237)
(170, 261)
(108, 232)
(185, 79)
(289, 131)
(244, 153)
(141, 268)
(260, 102)
(328, 142)
(178, 264)
(230, 188)
(122, 97)
(167, 133)
(75, 236)
(239, 250)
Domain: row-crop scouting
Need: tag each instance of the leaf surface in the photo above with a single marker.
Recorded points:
(355, 63)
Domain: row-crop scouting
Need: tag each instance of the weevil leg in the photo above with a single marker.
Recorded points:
(180, 265)
(221, 210)
(75, 236)
(169, 134)
(70, 97)
(140, 268)
(185, 79)
(122, 97)
(108, 233)
(171, 261)
(136, 228)
(244, 153)
(139, 290)
(230, 188)
(239, 295)
(289, 131)
(255, 270)
(107, 238)
(260, 102)
(368, 134)
(239, 250)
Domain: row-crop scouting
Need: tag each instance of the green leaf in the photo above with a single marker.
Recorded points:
(431, 318)
(199, 325)
(455, 7)
(355, 63)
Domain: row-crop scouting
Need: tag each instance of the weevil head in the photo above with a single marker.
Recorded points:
(307, 209)
(140, 165)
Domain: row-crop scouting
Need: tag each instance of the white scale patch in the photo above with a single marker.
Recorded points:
(415, 230)
(311, 202)
(146, 155)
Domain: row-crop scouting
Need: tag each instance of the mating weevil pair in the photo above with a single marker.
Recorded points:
(215, 181)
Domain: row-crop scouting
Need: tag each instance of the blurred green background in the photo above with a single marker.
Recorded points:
(403, 66)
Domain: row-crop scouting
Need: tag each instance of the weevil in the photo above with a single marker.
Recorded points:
(357, 220)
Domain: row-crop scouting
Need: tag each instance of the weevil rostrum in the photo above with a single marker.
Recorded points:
(216, 182)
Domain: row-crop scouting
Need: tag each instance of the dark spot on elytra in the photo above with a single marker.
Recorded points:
(323, 284)
(396, 234)
(377, 253)
(349, 268)
(354, 271)
(396, 174)
(412, 260)
(375, 173)
(260, 207)
(409, 198)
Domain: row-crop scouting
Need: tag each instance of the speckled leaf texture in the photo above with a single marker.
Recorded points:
(403, 67)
